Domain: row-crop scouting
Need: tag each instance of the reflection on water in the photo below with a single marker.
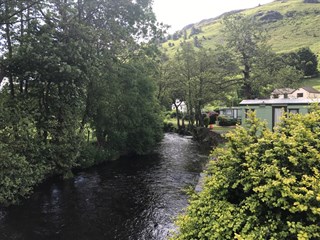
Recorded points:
(133, 198)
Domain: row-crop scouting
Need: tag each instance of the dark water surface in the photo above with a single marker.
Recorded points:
(133, 198)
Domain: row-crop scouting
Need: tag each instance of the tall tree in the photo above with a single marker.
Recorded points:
(247, 38)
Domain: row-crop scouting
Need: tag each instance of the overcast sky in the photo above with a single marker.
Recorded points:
(179, 13)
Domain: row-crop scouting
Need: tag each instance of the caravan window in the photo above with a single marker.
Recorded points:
(294, 111)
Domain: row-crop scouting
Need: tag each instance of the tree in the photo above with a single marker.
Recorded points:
(247, 39)
(169, 87)
(204, 76)
(130, 122)
(196, 76)
(185, 60)
(303, 59)
(308, 62)
(262, 185)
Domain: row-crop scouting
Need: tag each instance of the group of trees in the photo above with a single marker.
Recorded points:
(73, 68)
(244, 65)
(303, 60)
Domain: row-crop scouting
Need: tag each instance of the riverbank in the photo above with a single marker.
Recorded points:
(135, 197)
(207, 138)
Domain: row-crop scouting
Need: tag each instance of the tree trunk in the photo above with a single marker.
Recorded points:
(246, 89)
(177, 115)
(8, 38)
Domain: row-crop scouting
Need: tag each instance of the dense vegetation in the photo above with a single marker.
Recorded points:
(244, 67)
(80, 87)
(262, 185)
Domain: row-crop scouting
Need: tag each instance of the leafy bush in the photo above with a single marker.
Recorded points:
(17, 176)
(225, 121)
(263, 185)
(168, 127)
(91, 155)
(174, 114)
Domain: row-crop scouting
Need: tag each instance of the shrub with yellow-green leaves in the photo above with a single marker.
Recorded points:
(263, 185)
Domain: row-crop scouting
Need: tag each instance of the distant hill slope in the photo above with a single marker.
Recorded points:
(291, 24)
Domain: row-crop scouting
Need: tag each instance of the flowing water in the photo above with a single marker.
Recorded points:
(132, 198)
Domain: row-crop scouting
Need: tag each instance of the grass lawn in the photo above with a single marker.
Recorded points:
(222, 129)
(312, 82)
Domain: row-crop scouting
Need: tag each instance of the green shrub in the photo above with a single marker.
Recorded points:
(91, 155)
(168, 127)
(263, 185)
(17, 176)
(225, 121)
(213, 117)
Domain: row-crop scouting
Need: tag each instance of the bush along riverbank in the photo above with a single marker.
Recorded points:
(58, 79)
(34, 147)
(19, 174)
(263, 185)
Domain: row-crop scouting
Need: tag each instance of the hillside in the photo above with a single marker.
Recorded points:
(291, 24)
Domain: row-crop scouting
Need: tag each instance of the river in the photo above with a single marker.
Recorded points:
(132, 198)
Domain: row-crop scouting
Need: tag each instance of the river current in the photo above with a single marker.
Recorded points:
(131, 198)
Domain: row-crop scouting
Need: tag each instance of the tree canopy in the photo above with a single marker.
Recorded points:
(79, 72)
(303, 60)
(260, 68)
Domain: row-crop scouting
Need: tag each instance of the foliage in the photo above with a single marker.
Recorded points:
(213, 117)
(304, 60)
(70, 66)
(91, 155)
(17, 176)
(194, 75)
(168, 127)
(226, 121)
(22, 161)
(263, 185)
(259, 66)
(206, 121)
(129, 94)
(308, 61)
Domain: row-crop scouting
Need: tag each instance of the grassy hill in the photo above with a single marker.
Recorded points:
(291, 24)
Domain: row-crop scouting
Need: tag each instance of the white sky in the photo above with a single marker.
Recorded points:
(179, 13)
